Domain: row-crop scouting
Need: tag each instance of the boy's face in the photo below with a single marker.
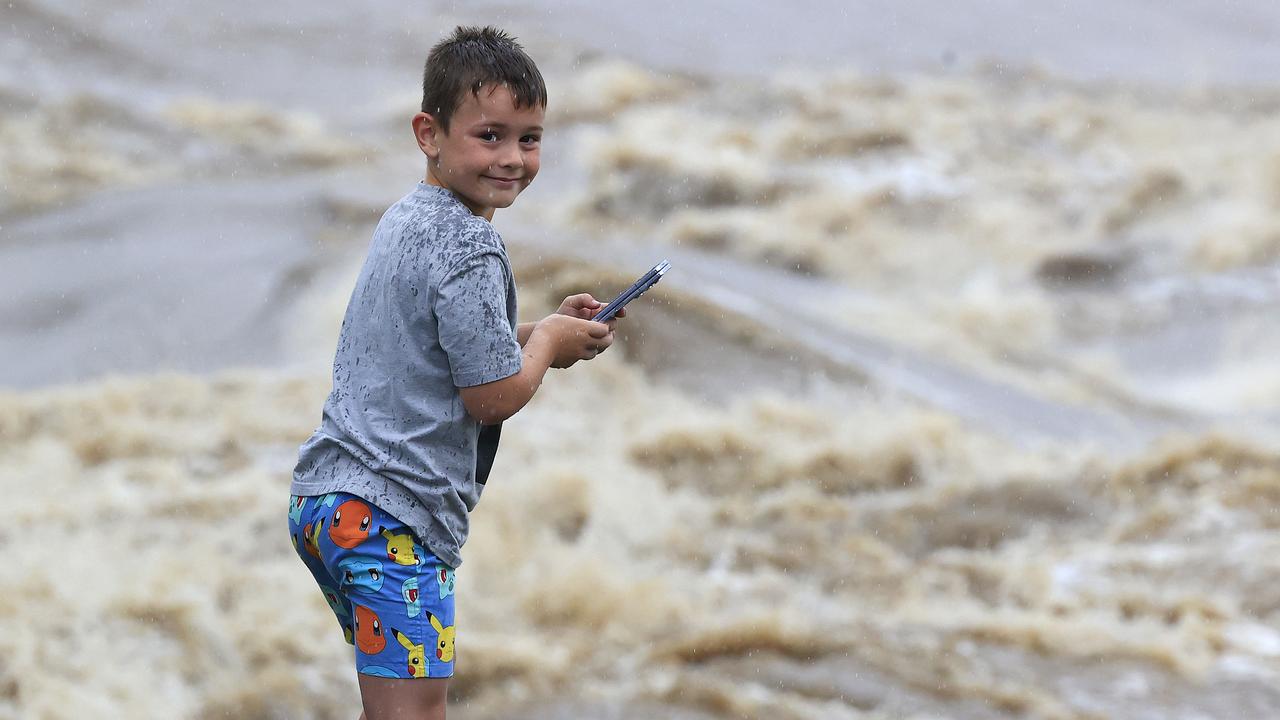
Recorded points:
(489, 155)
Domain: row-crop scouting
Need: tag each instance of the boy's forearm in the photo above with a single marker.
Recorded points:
(539, 353)
(523, 331)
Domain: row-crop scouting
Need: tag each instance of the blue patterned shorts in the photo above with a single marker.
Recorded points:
(393, 599)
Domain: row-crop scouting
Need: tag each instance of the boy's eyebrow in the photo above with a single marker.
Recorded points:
(503, 126)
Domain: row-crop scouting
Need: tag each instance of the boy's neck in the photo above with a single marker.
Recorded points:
(431, 179)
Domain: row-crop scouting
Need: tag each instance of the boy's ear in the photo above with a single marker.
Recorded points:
(428, 132)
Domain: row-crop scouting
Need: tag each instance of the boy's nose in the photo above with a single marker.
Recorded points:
(511, 157)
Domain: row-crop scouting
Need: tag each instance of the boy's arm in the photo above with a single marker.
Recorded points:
(491, 403)
(556, 341)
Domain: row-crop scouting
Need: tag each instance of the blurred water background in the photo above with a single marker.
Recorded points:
(961, 400)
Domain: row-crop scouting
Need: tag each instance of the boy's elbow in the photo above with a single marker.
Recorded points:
(492, 403)
(491, 417)
(487, 413)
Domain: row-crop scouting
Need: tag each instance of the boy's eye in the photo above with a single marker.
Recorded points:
(489, 136)
(530, 139)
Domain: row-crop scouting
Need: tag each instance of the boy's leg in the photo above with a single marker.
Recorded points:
(400, 699)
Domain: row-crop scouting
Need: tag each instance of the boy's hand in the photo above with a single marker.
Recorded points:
(584, 306)
(574, 338)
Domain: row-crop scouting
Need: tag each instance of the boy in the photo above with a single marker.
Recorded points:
(429, 363)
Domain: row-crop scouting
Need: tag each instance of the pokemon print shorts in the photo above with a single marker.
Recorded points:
(393, 599)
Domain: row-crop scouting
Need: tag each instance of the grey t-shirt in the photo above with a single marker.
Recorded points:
(434, 309)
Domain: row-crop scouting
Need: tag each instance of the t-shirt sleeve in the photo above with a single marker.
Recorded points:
(471, 315)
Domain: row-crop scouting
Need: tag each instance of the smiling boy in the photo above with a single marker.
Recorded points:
(430, 361)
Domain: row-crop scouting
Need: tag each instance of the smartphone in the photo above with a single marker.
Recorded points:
(645, 282)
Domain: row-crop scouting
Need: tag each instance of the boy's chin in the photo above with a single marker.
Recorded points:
(502, 202)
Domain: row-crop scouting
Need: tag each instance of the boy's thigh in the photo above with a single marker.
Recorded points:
(393, 698)
(400, 598)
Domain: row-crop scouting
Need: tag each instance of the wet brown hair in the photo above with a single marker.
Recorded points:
(471, 58)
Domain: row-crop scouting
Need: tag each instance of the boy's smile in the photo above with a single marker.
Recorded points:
(489, 155)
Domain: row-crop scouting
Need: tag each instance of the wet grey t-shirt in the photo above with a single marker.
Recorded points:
(434, 309)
